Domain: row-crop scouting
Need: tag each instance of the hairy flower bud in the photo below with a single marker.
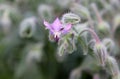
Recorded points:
(66, 44)
(27, 27)
(103, 28)
(45, 11)
(70, 18)
(100, 53)
(62, 48)
(112, 66)
(80, 10)
(109, 43)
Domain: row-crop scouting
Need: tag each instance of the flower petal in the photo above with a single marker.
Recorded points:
(56, 25)
(66, 29)
(48, 26)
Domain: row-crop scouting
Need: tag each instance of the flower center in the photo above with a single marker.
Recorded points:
(57, 34)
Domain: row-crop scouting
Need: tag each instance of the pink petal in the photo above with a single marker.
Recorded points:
(48, 26)
(67, 28)
(56, 24)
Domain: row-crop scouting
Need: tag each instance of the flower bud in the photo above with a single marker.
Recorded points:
(109, 43)
(45, 11)
(71, 47)
(103, 29)
(70, 18)
(66, 44)
(62, 48)
(80, 10)
(27, 27)
(112, 66)
(100, 53)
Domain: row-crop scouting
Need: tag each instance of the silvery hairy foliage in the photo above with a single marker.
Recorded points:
(59, 39)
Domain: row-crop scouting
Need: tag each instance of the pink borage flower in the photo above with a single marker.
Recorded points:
(57, 29)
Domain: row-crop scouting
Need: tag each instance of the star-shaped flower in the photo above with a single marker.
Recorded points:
(57, 29)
